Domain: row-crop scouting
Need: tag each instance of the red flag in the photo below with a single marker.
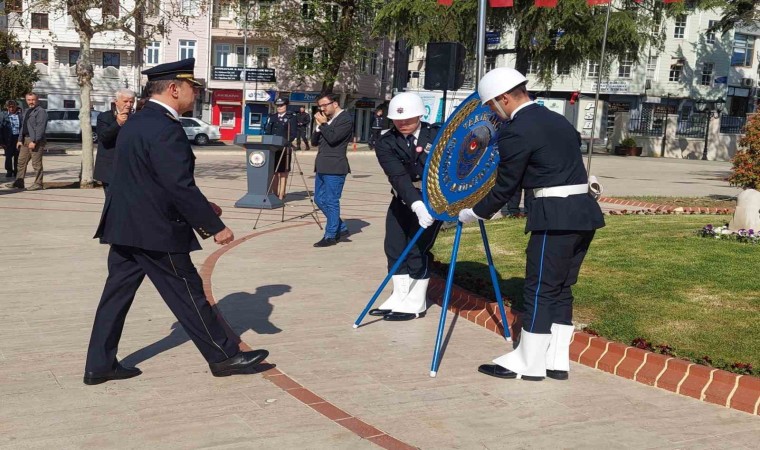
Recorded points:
(546, 3)
(501, 3)
(445, 2)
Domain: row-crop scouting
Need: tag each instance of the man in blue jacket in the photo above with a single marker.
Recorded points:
(148, 219)
(538, 150)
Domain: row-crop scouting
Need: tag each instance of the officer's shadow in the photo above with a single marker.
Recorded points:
(243, 311)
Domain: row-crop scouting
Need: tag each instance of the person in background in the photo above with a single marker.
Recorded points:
(109, 125)
(10, 125)
(378, 125)
(282, 124)
(303, 119)
(31, 143)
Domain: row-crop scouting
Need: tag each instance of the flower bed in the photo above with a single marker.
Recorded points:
(723, 233)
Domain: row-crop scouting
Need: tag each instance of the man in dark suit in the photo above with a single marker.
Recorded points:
(538, 148)
(402, 153)
(107, 129)
(334, 131)
(148, 219)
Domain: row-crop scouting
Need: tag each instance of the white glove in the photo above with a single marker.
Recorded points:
(467, 215)
(595, 188)
(423, 215)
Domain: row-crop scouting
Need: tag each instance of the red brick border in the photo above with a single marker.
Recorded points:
(657, 207)
(675, 375)
(288, 384)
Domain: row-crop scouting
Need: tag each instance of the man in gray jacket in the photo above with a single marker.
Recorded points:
(31, 143)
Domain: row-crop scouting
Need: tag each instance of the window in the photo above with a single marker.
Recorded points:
(262, 57)
(624, 66)
(307, 10)
(112, 59)
(333, 12)
(14, 54)
(55, 115)
(305, 57)
(222, 57)
(39, 21)
(70, 104)
(592, 69)
(227, 119)
(652, 68)
(373, 63)
(241, 55)
(13, 5)
(710, 35)
(744, 46)
(39, 55)
(110, 8)
(384, 70)
(190, 7)
(152, 7)
(188, 123)
(532, 67)
(676, 69)
(152, 52)
(563, 69)
(680, 28)
(73, 57)
(490, 62)
(186, 49)
(265, 8)
(707, 74)
(364, 62)
(224, 8)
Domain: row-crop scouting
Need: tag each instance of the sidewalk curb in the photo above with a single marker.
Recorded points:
(740, 392)
(657, 207)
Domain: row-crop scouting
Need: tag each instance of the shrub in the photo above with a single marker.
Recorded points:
(628, 142)
(746, 163)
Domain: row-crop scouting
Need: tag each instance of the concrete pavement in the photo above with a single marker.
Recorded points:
(282, 294)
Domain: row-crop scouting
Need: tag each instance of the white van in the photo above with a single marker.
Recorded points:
(64, 123)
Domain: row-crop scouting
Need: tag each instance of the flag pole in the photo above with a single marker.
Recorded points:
(481, 41)
(598, 87)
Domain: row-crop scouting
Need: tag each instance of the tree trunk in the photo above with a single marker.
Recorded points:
(84, 77)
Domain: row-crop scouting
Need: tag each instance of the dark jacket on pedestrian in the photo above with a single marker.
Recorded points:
(154, 203)
(35, 124)
(333, 139)
(303, 119)
(539, 149)
(107, 130)
(6, 127)
(402, 165)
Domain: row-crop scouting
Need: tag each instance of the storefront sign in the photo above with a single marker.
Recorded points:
(615, 107)
(304, 97)
(493, 38)
(236, 74)
(260, 95)
(228, 95)
(364, 103)
(613, 86)
(586, 118)
(552, 104)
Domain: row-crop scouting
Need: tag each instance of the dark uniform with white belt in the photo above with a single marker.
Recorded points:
(148, 220)
(539, 149)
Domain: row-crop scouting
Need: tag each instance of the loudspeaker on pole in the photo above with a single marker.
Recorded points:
(444, 66)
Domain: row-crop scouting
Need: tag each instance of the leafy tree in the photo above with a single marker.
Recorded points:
(338, 30)
(745, 172)
(16, 78)
(564, 36)
(93, 17)
(738, 11)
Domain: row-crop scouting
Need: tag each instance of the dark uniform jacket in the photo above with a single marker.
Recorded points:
(107, 130)
(378, 122)
(540, 148)
(333, 140)
(154, 203)
(303, 119)
(285, 126)
(404, 166)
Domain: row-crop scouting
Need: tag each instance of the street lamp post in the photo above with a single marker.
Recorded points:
(712, 110)
(243, 117)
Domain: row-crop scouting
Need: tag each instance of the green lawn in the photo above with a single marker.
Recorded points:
(648, 277)
(720, 201)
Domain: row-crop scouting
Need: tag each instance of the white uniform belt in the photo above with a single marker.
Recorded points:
(561, 191)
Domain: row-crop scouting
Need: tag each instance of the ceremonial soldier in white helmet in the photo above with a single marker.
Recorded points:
(539, 149)
(402, 153)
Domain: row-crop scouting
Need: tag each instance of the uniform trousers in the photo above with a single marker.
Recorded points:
(553, 261)
(401, 224)
(180, 286)
(302, 133)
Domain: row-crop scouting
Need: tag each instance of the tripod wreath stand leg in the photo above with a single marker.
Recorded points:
(495, 281)
(445, 303)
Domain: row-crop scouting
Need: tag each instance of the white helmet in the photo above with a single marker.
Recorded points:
(499, 81)
(405, 106)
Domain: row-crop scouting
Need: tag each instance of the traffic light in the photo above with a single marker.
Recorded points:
(574, 97)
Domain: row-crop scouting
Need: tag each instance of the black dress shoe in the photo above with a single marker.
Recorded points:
(238, 364)
(497, 371)
(379, 312)
(557, 374)
(326, 242)
(118, 373)
(400, 317)
(343, 235)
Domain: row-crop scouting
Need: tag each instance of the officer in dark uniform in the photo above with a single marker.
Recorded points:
(148, 219)
(378, 125)
(538, 148)
(282, 124)
(402, 153)
(303, 120)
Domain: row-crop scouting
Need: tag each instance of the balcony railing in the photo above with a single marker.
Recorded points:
(261, 74)
(732, 124)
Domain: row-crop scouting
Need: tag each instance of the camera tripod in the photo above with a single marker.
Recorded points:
(287, 152)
